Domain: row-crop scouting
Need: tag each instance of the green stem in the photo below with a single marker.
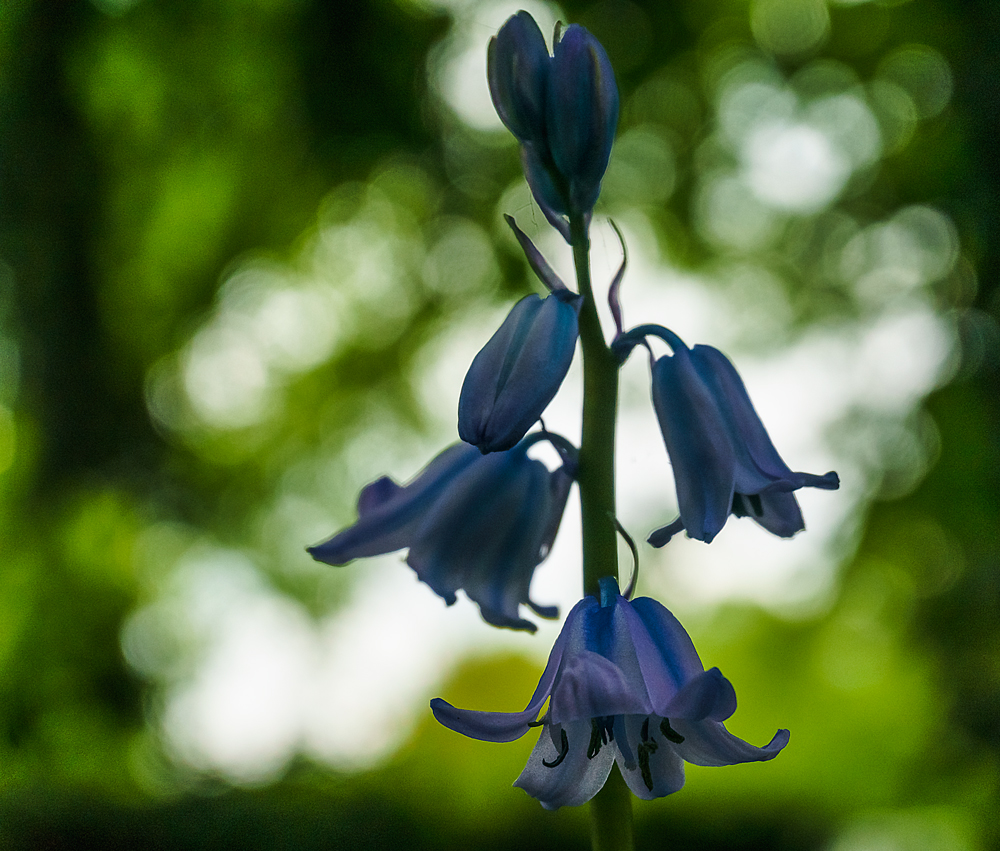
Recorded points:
(611, 808)
(596, 474)
(611, 815)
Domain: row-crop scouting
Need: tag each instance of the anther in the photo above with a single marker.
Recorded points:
(563, 750)
(601, 732)
(646, 747)
(647, 773)
(669, 733)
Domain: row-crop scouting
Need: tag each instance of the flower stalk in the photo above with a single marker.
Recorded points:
(611, 816)
(596, 472)
(611, 807)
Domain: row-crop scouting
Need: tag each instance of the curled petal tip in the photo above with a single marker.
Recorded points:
(661, 537)
(547, 612)
(777, 743)
(829, 481)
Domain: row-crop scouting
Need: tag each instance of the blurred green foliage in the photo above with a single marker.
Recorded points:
(153, 152)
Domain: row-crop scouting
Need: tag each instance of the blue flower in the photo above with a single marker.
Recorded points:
(624, 684)
(517, 67)
(724, 461)
(516, 374)
(475, 522)
(519, 370)
(582, 114)
(563, 109)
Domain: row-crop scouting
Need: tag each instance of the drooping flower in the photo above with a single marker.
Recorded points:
(472, 522)
(723, 459)
(563, 109)
(519, 370)
(516, 374)
(624, 684)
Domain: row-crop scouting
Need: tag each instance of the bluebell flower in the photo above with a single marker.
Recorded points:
(624, 684)
(723, 459)
(519, 370)
(563, 109)
(472, 522)
(582, 114)
(516, 374)
(517, 68)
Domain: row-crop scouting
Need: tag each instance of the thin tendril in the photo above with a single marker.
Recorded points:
(630, 588)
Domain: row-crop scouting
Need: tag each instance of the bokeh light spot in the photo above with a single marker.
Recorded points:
(789, 26)
(794, 167)
(923, 73)
(642, 171)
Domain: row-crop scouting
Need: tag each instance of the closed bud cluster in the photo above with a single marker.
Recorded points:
(563, 109)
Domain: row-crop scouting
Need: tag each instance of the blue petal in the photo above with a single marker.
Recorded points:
(590, 686)
(484, 535)
(507, 726)
(609, 629)
(517, 373)
(485, 726)
(582, 113)
(552, 201)
(517, 67)
(709, 695)
(666, 654)
(664, 769)
(776, 511)
(710, 743)
(510, 545)
(376, 494)
(574, 779)
(559, 487)
(661, 537)
(759, 467)
(389, 514)
(560, 482)
(697, 442)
